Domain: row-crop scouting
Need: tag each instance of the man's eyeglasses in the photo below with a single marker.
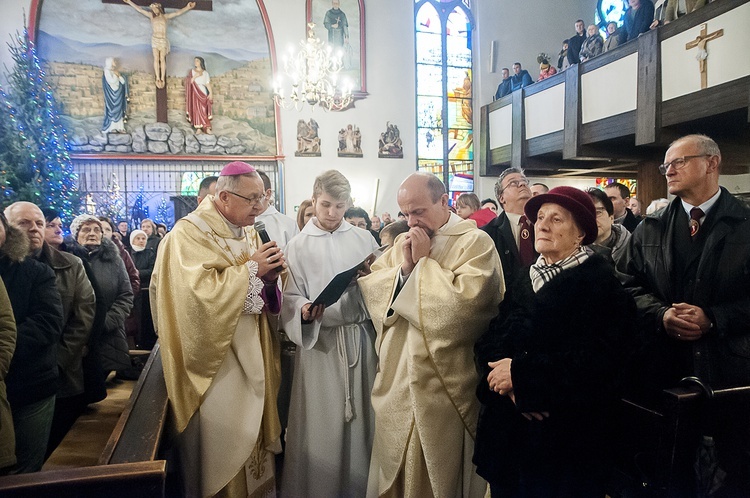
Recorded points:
(252, 200)
(678, 163)
(517, 183)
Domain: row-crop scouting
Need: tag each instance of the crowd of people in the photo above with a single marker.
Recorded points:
(460, 358)
(588, 42)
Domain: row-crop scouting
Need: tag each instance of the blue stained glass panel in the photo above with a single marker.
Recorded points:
(430, 80)
(429, 49)
(458, 39)
(429, 111)
(429, 143)
(428, 20)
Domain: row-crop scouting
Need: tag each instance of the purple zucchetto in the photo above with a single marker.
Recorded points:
(236, 168)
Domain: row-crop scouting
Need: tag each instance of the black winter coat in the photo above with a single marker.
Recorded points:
(144, 261)
(568, 359)
(722, 290)
(114, 296)
(33, 373)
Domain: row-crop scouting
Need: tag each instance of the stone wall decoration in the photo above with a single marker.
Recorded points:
(341, 23)
(98, 59)
(308, 141)
(350, 141)
(390, 144)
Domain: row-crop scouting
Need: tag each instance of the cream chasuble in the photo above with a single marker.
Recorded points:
(221, 362)
(425, 407)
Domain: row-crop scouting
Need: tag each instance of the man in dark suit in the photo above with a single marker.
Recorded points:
(619, 194)
(688, 267)
(511, 231)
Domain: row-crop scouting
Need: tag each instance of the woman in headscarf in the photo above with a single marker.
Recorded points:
(551, 362)
(144, 258)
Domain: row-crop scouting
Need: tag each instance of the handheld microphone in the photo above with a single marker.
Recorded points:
(260, 227)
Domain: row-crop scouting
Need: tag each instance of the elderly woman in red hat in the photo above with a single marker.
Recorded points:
(551, 366)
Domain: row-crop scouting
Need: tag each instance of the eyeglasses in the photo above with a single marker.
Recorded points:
(678, 163)
(601, 212)
(517, 183)
(252, 200)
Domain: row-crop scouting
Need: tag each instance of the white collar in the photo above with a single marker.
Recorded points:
(269, 211)
(705, 207)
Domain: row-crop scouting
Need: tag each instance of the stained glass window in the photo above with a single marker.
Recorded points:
(608, 11)
(445, 144)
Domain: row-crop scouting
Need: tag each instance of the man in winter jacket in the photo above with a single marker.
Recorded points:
(688, 266)
(32, 377)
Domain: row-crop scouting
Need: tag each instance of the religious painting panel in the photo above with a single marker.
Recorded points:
(390, 144)
(350, 141)
(308, 140)
(341, 24)
(189, 79)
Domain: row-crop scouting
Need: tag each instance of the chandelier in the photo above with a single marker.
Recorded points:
(314, 73)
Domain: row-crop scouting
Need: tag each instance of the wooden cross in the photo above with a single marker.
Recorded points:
(700, 42)
(169, 4)
(162, 114)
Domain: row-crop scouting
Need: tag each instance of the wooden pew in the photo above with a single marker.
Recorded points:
(657, 447)
(129, 466)
(125, 480)
(139, 430)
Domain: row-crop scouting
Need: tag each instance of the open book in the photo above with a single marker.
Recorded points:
(336, 287)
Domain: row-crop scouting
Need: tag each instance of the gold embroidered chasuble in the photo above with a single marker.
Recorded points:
(214, 353)
(425, 407)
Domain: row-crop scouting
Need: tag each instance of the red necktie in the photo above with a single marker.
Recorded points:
(526, 242)
(695, 221)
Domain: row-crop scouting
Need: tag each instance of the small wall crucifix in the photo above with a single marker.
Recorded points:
(700, 41)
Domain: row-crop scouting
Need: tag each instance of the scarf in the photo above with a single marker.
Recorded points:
(542, 273)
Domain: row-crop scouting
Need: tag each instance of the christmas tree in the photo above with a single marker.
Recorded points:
(162, 213)
(113, 205)
(35, 164)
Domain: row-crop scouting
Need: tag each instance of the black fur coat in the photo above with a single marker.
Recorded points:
(569, 344)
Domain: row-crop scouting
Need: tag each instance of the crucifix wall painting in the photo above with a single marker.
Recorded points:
(175, 79)
(341, 23)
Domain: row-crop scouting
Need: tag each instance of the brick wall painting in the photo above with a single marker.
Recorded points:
(74, 39)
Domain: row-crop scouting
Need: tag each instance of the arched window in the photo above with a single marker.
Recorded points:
(445, 143)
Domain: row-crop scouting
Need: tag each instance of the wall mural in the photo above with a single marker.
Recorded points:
(208, 65)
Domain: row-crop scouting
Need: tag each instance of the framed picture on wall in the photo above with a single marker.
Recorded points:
(341, 23)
